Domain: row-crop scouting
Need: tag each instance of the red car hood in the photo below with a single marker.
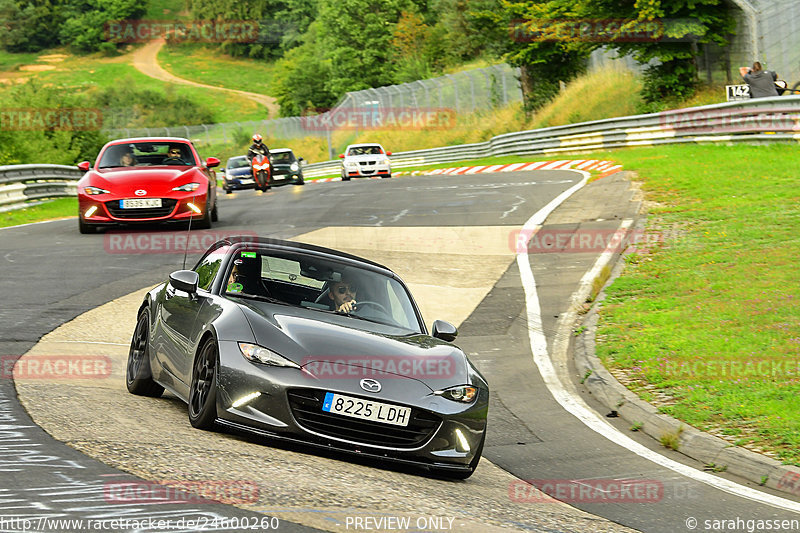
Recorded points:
(157, 181)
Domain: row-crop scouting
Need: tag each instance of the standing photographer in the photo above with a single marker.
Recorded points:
(761, 82)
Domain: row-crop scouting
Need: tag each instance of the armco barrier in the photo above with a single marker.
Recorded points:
(22, 183)
(757, 121)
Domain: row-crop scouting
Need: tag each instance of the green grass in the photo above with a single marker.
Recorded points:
(206, 65)
(58, 208)
(10, 61)
(721, 291)
(83, 73)
(166, 10)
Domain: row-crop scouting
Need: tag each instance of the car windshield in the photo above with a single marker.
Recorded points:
(238, 162)
(282, 157)
(365, 150)
(147, 154)
(311, 282)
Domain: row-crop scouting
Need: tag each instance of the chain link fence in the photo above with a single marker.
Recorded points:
(463, 92)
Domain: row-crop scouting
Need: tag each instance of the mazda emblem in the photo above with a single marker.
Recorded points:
(140, 192)
(370, 385)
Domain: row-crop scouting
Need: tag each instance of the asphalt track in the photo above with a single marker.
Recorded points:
(51, 274)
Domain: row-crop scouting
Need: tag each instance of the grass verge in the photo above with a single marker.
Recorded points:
(709, 320)
(207, 65)
(52, 209)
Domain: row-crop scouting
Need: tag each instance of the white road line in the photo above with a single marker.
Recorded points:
(575, 405)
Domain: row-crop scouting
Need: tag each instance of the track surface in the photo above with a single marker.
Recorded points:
(46, 283)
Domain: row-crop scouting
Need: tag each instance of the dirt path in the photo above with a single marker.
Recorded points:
(145, 59)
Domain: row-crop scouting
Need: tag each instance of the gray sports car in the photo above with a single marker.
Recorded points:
(302, 343)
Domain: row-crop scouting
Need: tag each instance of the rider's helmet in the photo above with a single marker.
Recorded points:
(257, 138)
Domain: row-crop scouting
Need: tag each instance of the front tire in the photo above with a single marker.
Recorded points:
(203, 390)
(138, 375)
(85, 228)
(214, 214)
(205, 222)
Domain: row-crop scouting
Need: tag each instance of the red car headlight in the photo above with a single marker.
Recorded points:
(189, 187)
(91, 191)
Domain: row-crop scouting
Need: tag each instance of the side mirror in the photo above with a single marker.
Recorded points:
(84, 165)
(185, 280)
(341, 156)
(212, 162)
(444, 330)
(388, 153)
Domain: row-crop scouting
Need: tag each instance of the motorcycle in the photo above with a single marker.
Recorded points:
(262, 172)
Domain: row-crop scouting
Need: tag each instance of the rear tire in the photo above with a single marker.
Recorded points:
(203, 390)
(138, 375)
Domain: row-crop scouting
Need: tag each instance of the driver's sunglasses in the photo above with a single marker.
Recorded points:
(342, 289)
(174, 152)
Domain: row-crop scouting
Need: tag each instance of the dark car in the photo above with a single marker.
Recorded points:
(250, 340)
(238, 174)
(286, 168)
(147, 180)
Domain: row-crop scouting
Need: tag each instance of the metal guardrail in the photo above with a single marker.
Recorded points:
(758, 120)
(22, 183)
(761, 120)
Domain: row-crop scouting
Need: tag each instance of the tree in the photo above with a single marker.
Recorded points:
(301, 78)
(533, 41)
(670, 51)
(356, 37)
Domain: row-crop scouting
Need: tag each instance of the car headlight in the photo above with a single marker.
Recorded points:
(189, 187)
(459, 393)
(294, 167)
(351, 164)
(91, 191)
(259, 354)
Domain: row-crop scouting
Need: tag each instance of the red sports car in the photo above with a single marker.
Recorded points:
(147, 180)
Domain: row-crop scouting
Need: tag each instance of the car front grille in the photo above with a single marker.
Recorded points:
(167, 206)
(306, 405)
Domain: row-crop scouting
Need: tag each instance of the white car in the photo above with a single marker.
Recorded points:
(365, 160)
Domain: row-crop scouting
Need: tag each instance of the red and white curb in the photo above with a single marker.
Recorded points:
(603, 167)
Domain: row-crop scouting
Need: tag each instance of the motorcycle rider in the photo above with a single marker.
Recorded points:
(258, 148)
